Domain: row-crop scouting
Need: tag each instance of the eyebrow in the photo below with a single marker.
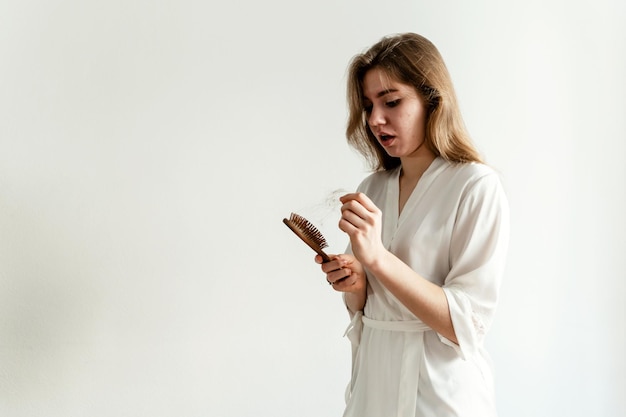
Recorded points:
(383, 93)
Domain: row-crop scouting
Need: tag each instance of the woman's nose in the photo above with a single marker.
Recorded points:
(376, 117)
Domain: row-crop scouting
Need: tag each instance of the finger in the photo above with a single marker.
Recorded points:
(320, 260)
(339, 281)
(357, 218)
(331, 266)
(339, 274)
(352, 223)
(347, 197)
(336, 263)
(362, 199)
(346, 227)
(367, 212)
(346, 284)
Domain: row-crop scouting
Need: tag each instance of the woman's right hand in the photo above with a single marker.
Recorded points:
(344, 272)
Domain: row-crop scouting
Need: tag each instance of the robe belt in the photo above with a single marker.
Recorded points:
(413, 352)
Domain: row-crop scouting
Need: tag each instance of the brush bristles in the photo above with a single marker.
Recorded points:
(308, 230)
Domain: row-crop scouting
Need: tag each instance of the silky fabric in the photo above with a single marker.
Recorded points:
(453, 231)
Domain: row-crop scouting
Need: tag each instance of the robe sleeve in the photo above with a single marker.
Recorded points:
(477, 258)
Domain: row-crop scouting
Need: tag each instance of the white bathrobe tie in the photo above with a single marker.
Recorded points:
(413, 355)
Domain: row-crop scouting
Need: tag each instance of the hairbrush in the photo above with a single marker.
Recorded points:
(308, 233)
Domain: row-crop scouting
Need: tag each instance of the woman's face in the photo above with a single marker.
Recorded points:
(396, 114)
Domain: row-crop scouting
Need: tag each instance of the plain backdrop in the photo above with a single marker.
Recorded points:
(150, 149)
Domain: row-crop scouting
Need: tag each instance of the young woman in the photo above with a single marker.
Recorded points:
(428, 238)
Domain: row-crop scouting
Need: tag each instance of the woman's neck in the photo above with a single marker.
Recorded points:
(413, 167)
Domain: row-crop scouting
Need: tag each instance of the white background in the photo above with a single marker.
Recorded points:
(149, 151)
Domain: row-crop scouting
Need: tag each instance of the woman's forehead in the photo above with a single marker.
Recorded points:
(378, 82)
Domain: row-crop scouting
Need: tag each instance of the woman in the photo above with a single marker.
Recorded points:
(428, 237)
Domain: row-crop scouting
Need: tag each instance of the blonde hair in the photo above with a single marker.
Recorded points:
(413, 60)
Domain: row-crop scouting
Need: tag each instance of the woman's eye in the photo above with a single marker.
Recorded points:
(392, 103)
(367, 109)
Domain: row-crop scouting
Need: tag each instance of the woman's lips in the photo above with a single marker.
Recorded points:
(386, 140)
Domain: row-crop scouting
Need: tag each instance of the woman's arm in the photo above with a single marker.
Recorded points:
(423, 298)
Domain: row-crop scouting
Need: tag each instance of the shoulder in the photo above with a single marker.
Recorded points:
(471, 171)
(472, 183)
(471, 175)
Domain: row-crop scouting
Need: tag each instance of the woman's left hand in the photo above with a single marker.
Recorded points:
(362, 221)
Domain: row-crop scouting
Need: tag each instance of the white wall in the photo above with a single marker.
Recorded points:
(149, 151)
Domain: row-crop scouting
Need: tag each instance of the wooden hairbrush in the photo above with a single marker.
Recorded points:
(308, 233)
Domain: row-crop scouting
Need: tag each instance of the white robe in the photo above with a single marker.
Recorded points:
(454, 232)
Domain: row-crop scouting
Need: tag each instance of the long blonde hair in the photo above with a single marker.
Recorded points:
(411, 59)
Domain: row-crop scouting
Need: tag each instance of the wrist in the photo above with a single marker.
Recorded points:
(377, 263)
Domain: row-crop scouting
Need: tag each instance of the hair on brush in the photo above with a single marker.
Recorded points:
(309, 234)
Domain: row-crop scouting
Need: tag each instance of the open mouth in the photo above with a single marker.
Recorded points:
(385, 139)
